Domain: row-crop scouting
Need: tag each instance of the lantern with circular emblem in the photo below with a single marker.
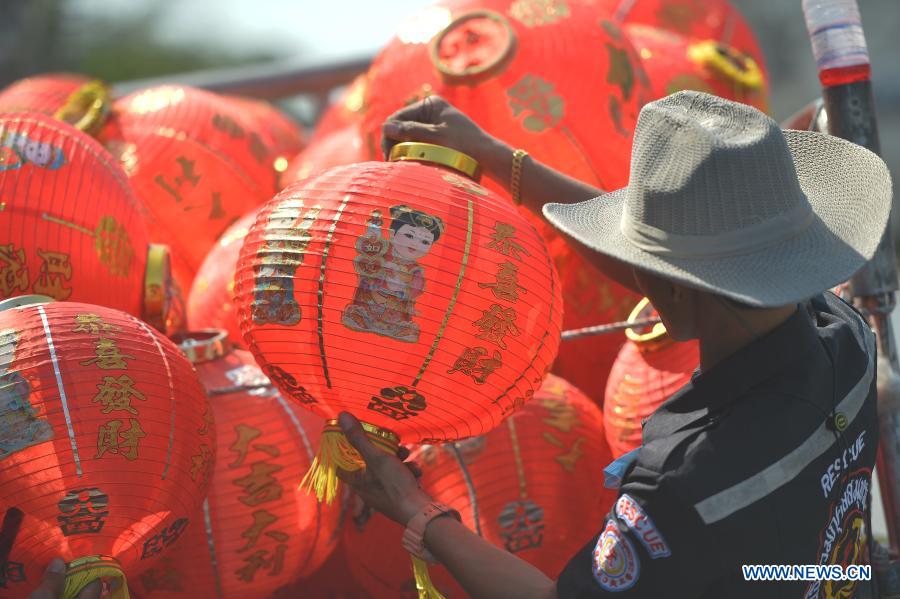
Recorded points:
(45, 93)
(402, 292)
(70, 225)
(260, 531)
(532, 487)
(107, 444)
(650, 368)
(195, 161)
(674, 63)
(557, 78)
(210, 303)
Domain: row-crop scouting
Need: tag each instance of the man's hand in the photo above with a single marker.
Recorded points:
(386, 484)
(54, 583)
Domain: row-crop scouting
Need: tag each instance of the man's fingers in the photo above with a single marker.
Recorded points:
(423, 111)
(354, 432)
(91, 591)
(414, 468)
(402, 453)
(53, 583)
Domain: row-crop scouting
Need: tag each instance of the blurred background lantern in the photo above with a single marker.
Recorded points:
(281, 133)
(210, 303)
(70, 226)
(348, 109)
(42, 93)
(107, 442)
(338, 148)
(650, 368)
(260, 531)
(555, 77)
(196, 162)
(673, 63)
(532, 486)
(450, 284)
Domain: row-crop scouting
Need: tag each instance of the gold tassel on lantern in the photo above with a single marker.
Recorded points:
(83, 571)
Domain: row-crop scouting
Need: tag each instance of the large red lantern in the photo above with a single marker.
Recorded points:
(70, 226)
(455, 290)
(107, 443)
(339, 148)
(210, 303)
(674, 63)
(532, 486)
(556, 78)
(42, 93)
(260, 531)
(650, 368)
(196, 163)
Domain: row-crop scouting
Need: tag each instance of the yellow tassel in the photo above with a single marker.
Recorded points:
(426, 588)
(83, 571)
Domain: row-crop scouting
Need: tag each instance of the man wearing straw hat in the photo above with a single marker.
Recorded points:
(734, 229)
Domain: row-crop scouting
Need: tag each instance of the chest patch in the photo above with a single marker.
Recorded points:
(615, 563)
(634, 516)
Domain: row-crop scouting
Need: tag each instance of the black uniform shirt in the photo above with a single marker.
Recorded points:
(765, 459)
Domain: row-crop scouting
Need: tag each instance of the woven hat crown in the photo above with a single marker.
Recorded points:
(710, 177)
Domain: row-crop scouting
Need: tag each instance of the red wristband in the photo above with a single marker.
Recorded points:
(414, 535)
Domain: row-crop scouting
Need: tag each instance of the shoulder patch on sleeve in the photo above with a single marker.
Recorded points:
(615, 563)
(634, 516)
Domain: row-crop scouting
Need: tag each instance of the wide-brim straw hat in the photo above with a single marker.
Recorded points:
(721, 199)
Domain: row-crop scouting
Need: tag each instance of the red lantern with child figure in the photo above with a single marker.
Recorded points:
(650, 368)
(261, 532)
(454, 288)
(531, 486)
(107, 445)
(70, 226)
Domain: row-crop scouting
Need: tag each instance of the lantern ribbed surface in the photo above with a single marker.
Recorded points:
(403, 293)
(533, 486)
(258, 532)
(196, 163)
(210, 304)
(107, 439)
(519, 69)
(70, 226)
(650, 369)
(42, 93)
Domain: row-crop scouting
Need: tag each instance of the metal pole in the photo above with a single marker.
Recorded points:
(842, 58)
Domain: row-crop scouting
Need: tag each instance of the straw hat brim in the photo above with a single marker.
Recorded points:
(849, 189)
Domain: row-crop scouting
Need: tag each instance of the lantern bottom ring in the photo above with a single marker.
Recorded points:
(85, 570)
(385, 439)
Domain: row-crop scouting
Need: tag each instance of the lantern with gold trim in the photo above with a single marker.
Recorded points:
(402, 292)
(196, 163)
(259, 532)
(71, 226)
(338, 148)
(555, 77)
(45, 93)
(674, 63)
(650, 368)
(531, 486)
(107, 446)
(210, 303)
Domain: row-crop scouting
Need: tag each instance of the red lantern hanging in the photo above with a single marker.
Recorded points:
(339, 148)
(261, 532)
(531, 486)
(210, 304)
(650, 368)
(673, 63)
(195, 162)
(452, 286)
(71, 226)
(107, 445)
(519, 68)
(42, 93)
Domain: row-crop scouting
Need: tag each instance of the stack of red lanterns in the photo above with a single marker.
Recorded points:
(108, 444)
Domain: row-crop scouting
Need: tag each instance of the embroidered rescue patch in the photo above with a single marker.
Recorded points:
(616, 565)
(634, 516)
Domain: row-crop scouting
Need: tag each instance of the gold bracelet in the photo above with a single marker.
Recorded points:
(518, 156)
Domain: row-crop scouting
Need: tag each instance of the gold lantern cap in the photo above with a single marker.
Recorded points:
(440, 155)
(656, 337)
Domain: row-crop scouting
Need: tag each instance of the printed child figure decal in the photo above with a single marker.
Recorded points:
(390, 278)
(20, 426)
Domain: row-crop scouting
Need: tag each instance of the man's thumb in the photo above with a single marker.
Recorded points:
(354, 432)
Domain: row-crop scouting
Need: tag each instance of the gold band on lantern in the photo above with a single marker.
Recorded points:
(87, 107)
(157, 279)
(384, 439)
(204, 345)
(434, 154)
(656, 338)
(474, 73)
(730, 63)
(85, 570)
